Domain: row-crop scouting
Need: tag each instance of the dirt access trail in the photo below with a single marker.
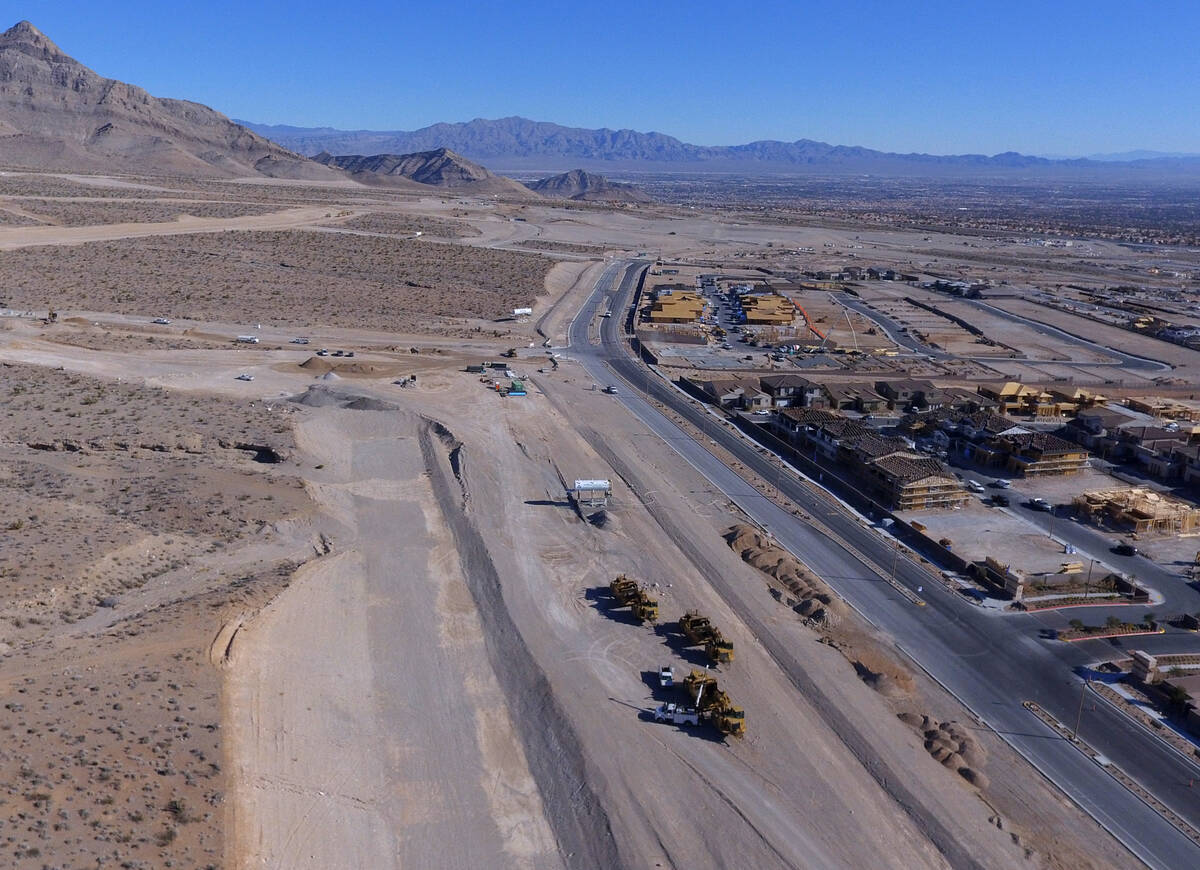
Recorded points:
(366, 727)
(286, 219)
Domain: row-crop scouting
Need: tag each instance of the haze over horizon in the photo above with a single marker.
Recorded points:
(1074, 79)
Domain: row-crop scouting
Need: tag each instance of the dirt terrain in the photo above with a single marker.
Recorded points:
(343, 615)
(135, 519)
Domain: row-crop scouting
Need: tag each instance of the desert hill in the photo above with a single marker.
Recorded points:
(439, 167)
(588, 186)
(55, 113)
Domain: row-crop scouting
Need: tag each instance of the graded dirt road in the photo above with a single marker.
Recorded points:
(26, 237)
(368, 730)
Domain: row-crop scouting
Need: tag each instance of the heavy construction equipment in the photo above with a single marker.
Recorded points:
(713, 703)
(699, 630)
(629, 593)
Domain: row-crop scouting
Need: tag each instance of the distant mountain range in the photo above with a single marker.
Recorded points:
(55, 113)
(1132, 156)
(519, 143)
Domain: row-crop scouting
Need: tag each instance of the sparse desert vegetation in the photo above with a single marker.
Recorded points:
(107, 486)
(282, 277)
(113, 750)
(78, 213)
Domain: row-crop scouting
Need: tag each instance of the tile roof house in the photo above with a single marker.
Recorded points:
(885, 466)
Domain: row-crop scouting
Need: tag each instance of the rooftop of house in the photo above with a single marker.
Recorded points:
(1109, 418)
(901, 385)
(1147, 435)
(1043, 442)
(774, 382)
(910, 467)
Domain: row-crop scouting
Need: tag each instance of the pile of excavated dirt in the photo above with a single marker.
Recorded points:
(318, 396)
(319, 366)
(874, 665)
(951, 744)
(808, 594)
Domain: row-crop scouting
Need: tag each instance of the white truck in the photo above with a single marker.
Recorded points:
(676, 714)
(247, 339)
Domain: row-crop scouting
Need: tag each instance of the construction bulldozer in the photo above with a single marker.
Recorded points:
(714, 704)
(630, 594)
(699, 630)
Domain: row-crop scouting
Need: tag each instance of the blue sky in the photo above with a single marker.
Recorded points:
(1060, 77)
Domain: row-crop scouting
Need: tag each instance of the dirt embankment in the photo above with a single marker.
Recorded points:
(555, 755)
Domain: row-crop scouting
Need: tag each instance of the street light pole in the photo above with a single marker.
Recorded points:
(1079, 715)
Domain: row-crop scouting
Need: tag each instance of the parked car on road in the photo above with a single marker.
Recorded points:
(1040, 504)
(1125, 549)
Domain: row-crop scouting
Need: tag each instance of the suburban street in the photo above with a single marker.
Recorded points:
(991, 661)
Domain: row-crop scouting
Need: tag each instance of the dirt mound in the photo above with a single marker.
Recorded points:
(320, 365)
(366, 403)
(883, 683)
(950, 744)
(808, 594)
(318, 396)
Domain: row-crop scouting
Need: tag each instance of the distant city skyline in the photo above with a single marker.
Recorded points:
(1066, 79)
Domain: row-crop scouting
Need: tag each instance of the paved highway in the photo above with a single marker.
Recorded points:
(992, 662)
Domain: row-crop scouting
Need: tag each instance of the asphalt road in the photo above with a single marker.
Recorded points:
(990, 661)
(891, 328)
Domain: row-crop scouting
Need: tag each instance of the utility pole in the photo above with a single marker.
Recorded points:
(1079, 715)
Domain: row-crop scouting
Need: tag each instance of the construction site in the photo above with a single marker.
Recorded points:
(1139, 511)
(502, 701)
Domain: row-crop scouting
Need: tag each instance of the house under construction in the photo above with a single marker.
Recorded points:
(1140, 510)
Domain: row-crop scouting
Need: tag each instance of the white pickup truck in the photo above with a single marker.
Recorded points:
(676, 714)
